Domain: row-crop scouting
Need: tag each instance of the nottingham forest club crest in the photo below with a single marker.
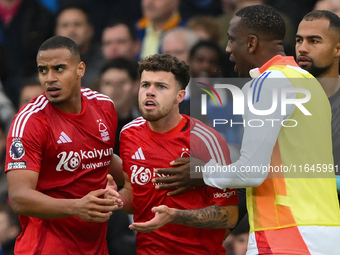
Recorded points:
(17, 150)
(103, 131)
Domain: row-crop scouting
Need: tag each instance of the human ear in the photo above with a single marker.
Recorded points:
(180, 95)
(337, 50)
(81, 69)
(252, 43)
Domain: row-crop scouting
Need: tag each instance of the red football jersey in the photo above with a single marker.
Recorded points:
(143, 150)
(72, 153)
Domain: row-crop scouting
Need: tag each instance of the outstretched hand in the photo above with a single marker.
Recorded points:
(112, 193)
(178, 176)
(163, 215)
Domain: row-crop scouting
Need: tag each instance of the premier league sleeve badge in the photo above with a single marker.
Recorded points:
(16, 150)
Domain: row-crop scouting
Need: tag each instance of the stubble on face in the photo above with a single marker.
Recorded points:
(315, 70)
(156, 114)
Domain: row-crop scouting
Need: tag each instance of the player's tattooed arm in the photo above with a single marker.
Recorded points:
(212, 217)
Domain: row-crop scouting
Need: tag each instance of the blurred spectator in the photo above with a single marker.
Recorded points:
(74, 21)
(119, 39)
(159, 16)
(329, 5)
(7, 110)
(30, 90)
(178, 42)
(119, 80)
(205, 27)
(9, 229)
(24, 25)
(208, 59)
(103, 12)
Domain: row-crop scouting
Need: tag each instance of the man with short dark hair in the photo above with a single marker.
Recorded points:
(119, 39)
(318, 46)
(60, 148)
(318, 51)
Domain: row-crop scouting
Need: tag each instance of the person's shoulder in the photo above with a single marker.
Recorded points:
(134, 126)
(32, 116)
(96, 98)
(198, 127)
(36, 107)
(196, 123)
(275, 76)
(206, 143)
(286, 71)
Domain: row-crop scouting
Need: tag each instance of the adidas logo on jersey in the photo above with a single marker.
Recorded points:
(63, 138)
(138, 154)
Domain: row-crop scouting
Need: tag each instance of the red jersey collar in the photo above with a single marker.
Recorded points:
(73, 115)
(175, 130)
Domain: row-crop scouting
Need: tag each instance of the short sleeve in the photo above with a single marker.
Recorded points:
(206, 144)
(25, 144)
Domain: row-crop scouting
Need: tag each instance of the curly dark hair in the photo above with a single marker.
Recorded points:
(262, 20)
(167, 63)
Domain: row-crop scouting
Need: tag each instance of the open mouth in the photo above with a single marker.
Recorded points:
(53, 91)
(149, 104)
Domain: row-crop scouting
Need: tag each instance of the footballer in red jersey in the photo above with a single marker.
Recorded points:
(60, 147)
(195, 221)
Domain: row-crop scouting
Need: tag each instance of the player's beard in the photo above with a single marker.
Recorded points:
(156, 114)
(317, 71)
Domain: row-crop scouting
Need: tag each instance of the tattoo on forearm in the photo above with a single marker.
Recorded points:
(210, 217)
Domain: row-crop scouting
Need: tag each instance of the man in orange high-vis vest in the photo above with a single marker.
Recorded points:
(286, 160)
(286, 164)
